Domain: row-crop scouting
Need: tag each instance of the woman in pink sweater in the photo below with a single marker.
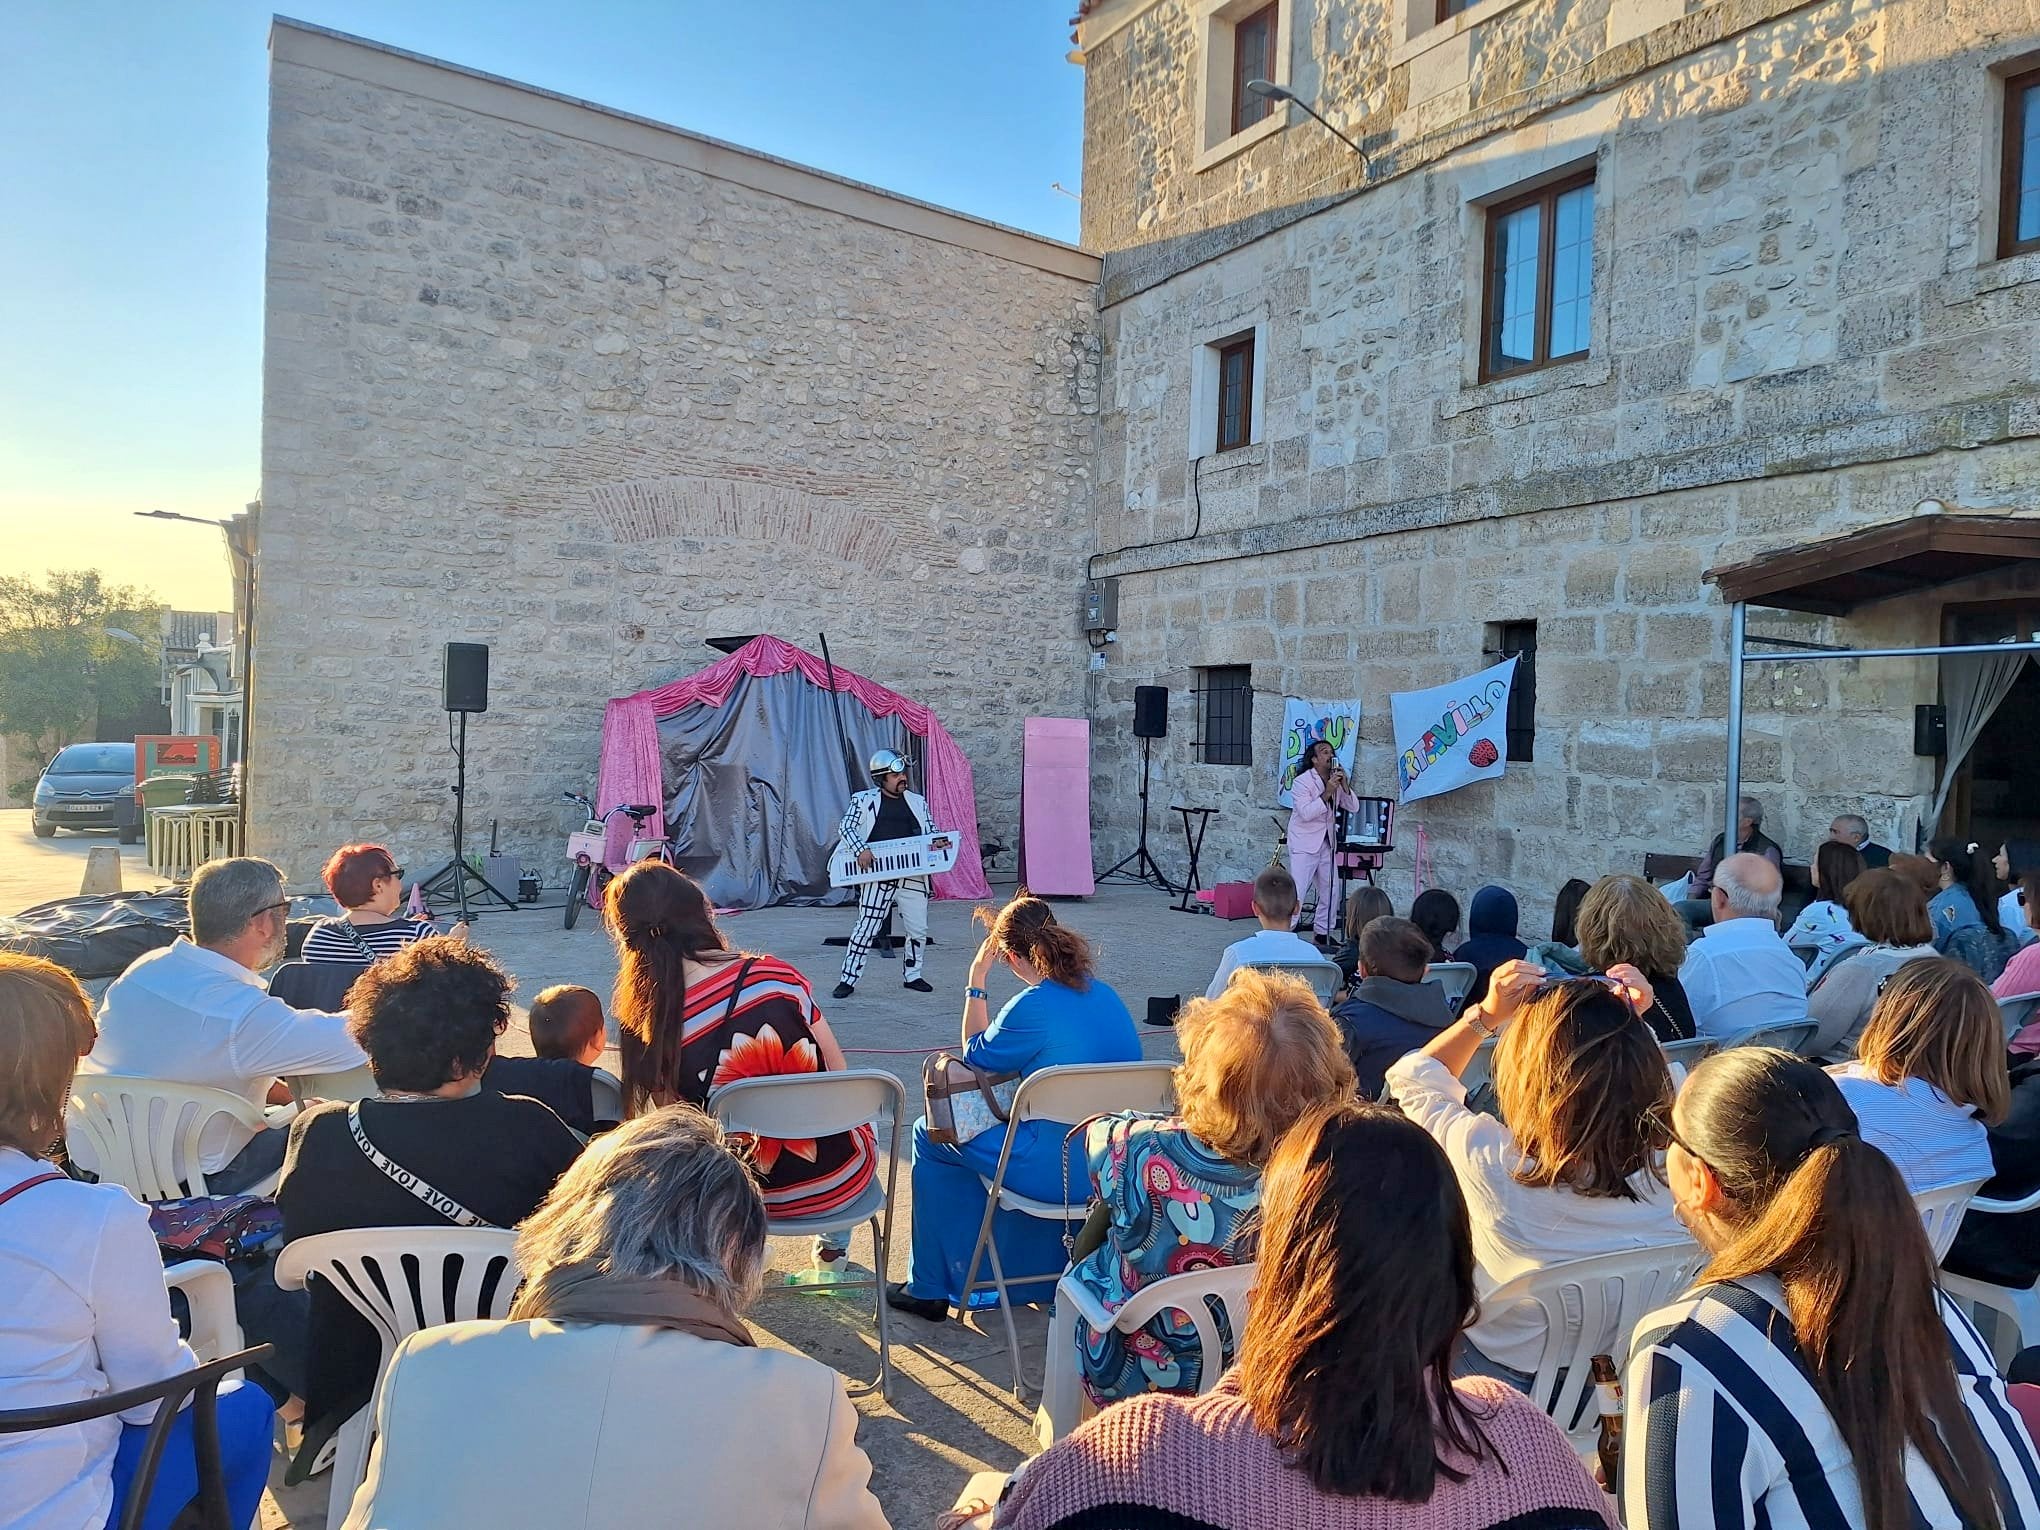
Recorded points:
(1341, 1413)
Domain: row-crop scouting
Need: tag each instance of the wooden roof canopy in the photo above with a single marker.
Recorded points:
(1834, 577)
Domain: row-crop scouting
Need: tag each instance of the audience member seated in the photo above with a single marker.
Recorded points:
(694, 1014)
(428, 1017)
(1965, 911)
(1275, 941)
(1822, 931)
(2016, 860)
(196, 1013)
(2022, 973)
(1740, 973)
(368, 884)
(1490, 937)
(1561, 953)
(2005, 1250)
(1888, 912)
(1391, 1010)
(1853, 830)
(1066, 1014)
(568, 1035)
(1697, 907)
(1575, 1172)
(1624, 921)
(1922, 872)
(1929, 1076)
(1816, 1377)
(1436, 912)
(1340, 1414)
(85, 1310)
(1181, 1190)
(1367, 904)
(637, 1273)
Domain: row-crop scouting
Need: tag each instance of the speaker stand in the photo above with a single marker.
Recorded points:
(451, 881)
(1144, 869)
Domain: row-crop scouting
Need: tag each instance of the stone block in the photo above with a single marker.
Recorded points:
(1662, 576)
(1590, 580)
(1672, 639)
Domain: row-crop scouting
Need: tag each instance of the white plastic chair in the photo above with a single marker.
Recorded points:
(2017, 1306)
(1941, 1211)
(397, 1278)
(606, 1092)
(821, 1105)
(1325, 978)
(1791, 1036)
(1455, 979)
(143, 1133)
(1591, 1307)
(351, 1085)
(1061, 1393)
(2017, 1012)
(208, 1288)
(1065, 1095)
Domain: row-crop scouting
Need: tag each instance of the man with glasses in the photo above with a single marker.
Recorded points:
(196, 1012)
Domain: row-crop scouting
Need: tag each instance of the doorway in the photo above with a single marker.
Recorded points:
(1996, 795)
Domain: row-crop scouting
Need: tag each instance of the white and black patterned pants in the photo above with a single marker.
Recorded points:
(873, 905)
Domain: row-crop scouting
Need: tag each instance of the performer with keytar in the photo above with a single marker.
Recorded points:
(887, 831)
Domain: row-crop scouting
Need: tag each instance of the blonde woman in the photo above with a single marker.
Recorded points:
(1183, 1191)
(1623, 920)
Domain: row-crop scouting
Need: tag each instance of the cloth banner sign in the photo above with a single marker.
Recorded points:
(1303, 724)
(1452, 734)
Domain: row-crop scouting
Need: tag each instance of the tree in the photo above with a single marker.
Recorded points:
(66, 655)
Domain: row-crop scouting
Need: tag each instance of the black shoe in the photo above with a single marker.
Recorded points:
(919, 985)
(843, 991)
(933, 1308)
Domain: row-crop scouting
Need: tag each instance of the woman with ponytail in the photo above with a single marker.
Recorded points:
(1815, 1376)
(695, 1015)
(1064, 1014)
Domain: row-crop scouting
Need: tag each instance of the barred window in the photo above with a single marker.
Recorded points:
(1228, 737)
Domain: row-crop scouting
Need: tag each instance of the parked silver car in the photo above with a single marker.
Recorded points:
(89, 786)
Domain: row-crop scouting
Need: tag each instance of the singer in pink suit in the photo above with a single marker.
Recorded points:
(1316, 794)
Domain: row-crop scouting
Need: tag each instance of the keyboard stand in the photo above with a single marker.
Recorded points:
(1195, 845)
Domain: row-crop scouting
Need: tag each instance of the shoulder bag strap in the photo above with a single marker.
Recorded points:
(438, 1200)
(737, 988)
(28, 1184)
(347, 925)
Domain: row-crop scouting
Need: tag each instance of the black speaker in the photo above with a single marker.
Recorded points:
(1150, 711)
(465, 687)
(1930, 730)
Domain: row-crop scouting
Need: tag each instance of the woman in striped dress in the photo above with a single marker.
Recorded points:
(1815, 1377)
(695, 1014)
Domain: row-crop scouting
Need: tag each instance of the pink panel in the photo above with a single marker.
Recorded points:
(1055, 806)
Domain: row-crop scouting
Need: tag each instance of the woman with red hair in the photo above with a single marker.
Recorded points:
(368, 884)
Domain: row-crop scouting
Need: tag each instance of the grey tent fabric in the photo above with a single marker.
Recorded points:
(1974, 684)
(756, 787)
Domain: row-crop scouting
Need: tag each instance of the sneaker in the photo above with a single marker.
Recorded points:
(919, 985)
(933, 1308)
(843, 990)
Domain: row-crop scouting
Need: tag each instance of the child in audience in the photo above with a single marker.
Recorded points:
(1275, 907)
(567, 1022)
(568, 1035)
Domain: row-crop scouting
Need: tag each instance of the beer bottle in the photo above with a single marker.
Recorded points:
(1608, 1385)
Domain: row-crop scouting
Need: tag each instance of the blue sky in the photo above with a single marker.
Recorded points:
(132, 147)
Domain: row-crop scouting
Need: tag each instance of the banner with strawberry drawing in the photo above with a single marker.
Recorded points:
(1452, 734)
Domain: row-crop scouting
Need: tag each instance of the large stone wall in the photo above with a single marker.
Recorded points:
(591, 391)
(1798, 330)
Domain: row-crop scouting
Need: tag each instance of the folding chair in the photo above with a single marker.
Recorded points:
(606, 1090)
(1455, 979)
(2017, 1012)
(1064, 1095)
(821, 1105)
(1682, 1055)
(1325, 978)
(143, 1133)
(1791, 1036)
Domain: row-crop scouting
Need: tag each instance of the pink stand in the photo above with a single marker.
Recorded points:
(1055, 807)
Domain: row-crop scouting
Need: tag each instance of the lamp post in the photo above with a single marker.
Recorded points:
(240, 534)
(1269, 90)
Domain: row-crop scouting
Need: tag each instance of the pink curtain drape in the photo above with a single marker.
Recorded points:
(630, 748)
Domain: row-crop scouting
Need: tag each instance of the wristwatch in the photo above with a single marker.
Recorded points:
(1477, 1018)
(976, 993)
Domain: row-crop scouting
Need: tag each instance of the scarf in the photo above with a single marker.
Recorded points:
(582, 1293)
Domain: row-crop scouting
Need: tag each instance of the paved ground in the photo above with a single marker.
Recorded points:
(35, 870)
(951, 1412)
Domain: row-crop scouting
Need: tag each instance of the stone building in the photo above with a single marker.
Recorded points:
(1622, 291)
(591, 390)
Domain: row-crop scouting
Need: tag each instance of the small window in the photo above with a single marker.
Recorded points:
(1520, 639)
(1235, 393)
(2019, 191)
(1228, 715)
(1447, 9)
(1253, 59)
(1538, 300)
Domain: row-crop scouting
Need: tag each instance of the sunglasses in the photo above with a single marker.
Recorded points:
(1658, 1121)
(270, 908)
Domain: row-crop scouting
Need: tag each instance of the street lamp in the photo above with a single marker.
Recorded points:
(1269, 90)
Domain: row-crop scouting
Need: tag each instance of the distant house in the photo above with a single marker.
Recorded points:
(199, 684)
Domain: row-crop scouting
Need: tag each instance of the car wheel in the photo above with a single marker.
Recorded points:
(45, 831)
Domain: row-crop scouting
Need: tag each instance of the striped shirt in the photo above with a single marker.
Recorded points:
(342, 940)
(1934, 1141)
(1724, 1427)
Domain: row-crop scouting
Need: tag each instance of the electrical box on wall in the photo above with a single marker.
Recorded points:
(1101, 605)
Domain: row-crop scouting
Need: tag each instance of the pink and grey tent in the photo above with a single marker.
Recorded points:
(747, 757)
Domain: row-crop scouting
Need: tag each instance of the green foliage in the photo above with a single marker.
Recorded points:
(61, 666)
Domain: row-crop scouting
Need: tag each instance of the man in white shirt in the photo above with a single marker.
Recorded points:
(1275, 907)
(1740, 973)
(196, 1013)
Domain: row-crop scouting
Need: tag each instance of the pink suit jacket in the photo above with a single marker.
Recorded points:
(1311, 818)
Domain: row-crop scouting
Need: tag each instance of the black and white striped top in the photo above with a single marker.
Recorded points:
(338, 940)
(1723, 1426)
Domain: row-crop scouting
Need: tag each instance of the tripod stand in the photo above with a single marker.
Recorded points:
(451, 880)
(1143, 864)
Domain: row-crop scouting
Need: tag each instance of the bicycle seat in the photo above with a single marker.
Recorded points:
(640, 813)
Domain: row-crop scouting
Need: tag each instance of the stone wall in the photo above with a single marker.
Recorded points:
(590, 390)
(1797, 331)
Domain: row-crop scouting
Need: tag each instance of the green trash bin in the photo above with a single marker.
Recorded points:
(162, 791)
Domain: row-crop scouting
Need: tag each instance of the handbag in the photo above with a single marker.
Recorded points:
(219, 1227)
(960, 1102)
